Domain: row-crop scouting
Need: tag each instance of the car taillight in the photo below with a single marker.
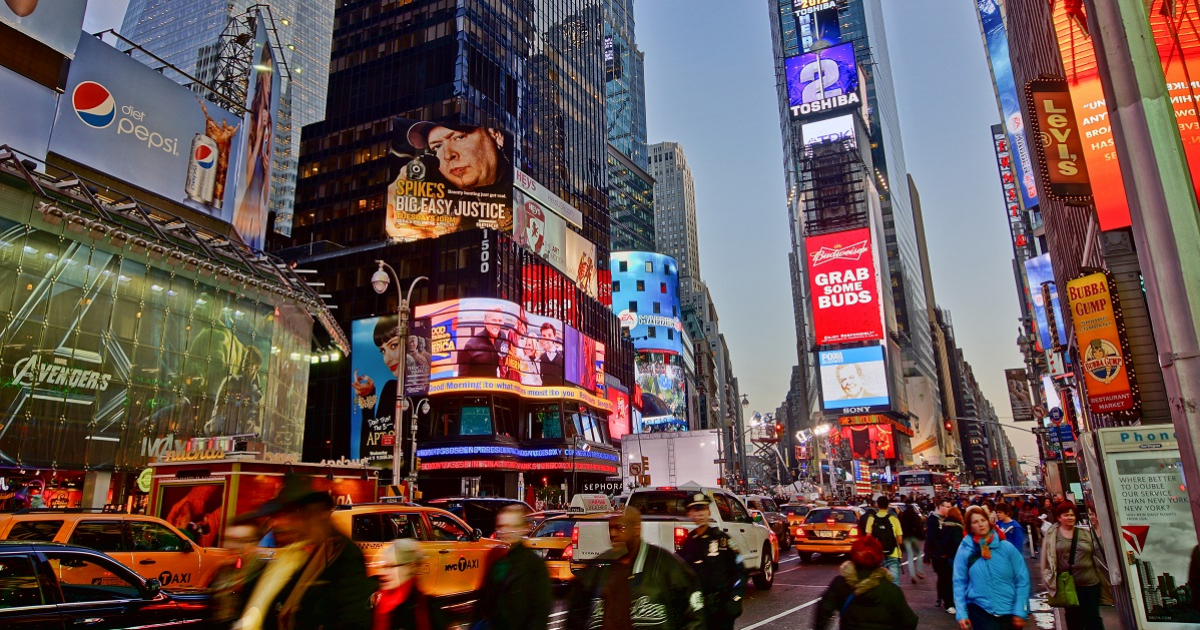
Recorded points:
(830, 521)
(575, 537)
(800, 533)
(853, 532)
(568, 553)
(680, 536)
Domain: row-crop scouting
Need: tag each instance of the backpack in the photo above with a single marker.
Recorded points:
(881, 529)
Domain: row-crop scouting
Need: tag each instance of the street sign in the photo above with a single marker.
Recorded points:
(1039, 412)
(719, 461)
(1056, 415)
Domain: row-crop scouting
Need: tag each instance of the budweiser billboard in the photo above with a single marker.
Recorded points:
(844, 286)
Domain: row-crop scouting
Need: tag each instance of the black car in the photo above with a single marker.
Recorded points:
(49, 586)
(479, 512)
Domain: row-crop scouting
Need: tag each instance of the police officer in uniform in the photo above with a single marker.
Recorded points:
(711, 555)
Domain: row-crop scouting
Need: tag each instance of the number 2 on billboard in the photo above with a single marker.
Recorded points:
(819, 75)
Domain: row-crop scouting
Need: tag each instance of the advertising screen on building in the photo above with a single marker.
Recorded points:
(872, 441)
(1019, 396)
(844, 286)
(120, 117)
(1061, 150)
(1037, 271)
(646, 300)
(619, 419)
(854, 380)
(1102, 347)
(996, 38)
(822, 81)
(828, 130)
(1177, 37)
(254, 184)
(817, 24)
(55, 23)
(448, 177)
(489, 338)
(664, 394)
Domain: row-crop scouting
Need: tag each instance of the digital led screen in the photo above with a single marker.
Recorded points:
(844, 287)
(377, 353)
(646, 299)
(448, 177)
(540, 221)
(828, 130)
(489, 338)
(822, 80)
(664, 394)
(872, 441)
(1038, 270)
(854, 380)
(620, 416)
(253, 192)
(817, 24)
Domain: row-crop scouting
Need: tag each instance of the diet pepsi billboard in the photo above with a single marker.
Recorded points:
(123, 119)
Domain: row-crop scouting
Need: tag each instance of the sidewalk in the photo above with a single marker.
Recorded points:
(921, 597)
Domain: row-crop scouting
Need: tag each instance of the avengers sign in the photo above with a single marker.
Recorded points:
(844, 286)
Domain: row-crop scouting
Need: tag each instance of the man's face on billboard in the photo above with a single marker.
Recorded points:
(851, 380)
(393, 354)
(493, 322)
(549, 340)
(467, 159)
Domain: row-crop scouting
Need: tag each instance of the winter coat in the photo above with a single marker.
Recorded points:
(516, 592)
(663, 593)
(949, 539)
(718, 566)
(999, 585)
(1049, 566)
(877, 604)
(933, 536)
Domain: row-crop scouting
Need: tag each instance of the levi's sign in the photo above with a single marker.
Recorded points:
(844, 287)
(1060, 149)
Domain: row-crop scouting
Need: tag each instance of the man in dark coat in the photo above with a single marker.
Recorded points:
(635, 586)
(864, 596)
(717, 563)
(516, 592)
(317, 579)
(482, 353)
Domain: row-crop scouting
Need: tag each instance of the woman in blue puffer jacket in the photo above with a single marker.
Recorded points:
(991, 581)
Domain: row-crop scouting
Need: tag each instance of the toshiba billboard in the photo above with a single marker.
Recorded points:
(844, 287)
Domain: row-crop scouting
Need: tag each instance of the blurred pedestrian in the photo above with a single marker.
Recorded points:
(991, 581)
(1075, 551)
(710, 553)
(1011, 529)
(228, 586)
(863, 594)
(933, 549)
(400, 604)
(317, 579)
(885, 527)
(635, 585)
(1028, 518)
(516, 592)
(950, 538)
(914, 538)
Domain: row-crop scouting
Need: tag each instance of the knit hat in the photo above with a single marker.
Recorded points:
(867, 553)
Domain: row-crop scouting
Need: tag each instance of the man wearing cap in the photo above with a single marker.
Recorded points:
(317, 579)
(470, 158)
(711, 554)
(635, 585)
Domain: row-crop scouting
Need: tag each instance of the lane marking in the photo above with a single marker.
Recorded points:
(803, 585)
(781, 615)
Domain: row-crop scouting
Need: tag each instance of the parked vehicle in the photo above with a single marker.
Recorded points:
(50, 586)
(556, 539)
(827, 531)
(479, 512)
(775, 518)
(150, 545)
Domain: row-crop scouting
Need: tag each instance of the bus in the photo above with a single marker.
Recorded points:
(926, 482)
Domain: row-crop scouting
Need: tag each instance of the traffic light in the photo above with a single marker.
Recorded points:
(995, 464)
(949, 427)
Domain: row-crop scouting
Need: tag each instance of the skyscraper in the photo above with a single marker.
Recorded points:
(630, 187)
(186, 33)
(675, 229)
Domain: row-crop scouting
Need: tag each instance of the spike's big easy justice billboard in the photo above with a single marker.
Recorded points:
(844, 287)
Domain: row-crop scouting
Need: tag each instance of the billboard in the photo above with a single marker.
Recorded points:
(130, 122)
(854, 380)
(844, 286)
(996, 39)
(620, 416)
(664, 394)
(448, 177)
(56, 23)
(253, 197)
(1060, 151)
(1091, 114)
(828, 130)
(1019, 396)
(1038, 270)
(817, 24)
(28, 113)
(490, 338)
(822, 80)
(539, 230)
(581, 263)
(1102, 346)
(1174, 27)
(924, 404)
(871, 441)
(646, 299)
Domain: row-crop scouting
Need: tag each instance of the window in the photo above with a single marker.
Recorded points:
(544, 422)
(723, 508)
(657, 308)
(616, 286)
(476, 421)
(623, 266)
(446, 529)
(366, 528)
(650, 331)
(554, 529)
(403, 526)
(151, 536)
(641, 285)
(85, 578)
(633, 306)
(662, 287)
(739, 513)
(649, 267)
(671, 334)
(18, 583)
(99, 535)
(35, 530)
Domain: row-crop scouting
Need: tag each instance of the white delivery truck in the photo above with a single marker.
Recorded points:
(670, 459)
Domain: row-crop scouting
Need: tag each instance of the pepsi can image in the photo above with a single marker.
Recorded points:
(202, 169)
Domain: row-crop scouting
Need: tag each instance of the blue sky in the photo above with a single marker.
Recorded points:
(710, 87)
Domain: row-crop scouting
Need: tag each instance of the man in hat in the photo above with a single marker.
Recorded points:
(711, 554)
(317, 579)
(635, 585)
(516, 592)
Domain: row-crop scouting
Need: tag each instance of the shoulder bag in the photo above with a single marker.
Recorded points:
(1064, 594)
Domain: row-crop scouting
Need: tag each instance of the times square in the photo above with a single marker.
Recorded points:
(390, 314)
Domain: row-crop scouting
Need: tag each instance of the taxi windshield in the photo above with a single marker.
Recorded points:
(835, 516)
(554, 529)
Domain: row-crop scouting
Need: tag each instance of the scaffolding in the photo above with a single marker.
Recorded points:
(833, 190)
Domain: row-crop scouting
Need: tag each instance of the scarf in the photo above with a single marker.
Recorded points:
(985, 541)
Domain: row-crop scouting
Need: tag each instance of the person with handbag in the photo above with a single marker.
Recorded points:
(991, 581)
(1073, 570)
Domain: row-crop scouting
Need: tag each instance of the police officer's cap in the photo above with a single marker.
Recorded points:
(698, 499)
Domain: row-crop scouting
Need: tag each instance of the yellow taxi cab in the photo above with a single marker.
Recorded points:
(557, 538)
(795, 513)
(826, 530)
(456, 557)
(148, 545)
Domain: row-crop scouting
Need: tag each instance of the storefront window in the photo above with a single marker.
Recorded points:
(506, 417)
(476, 421)
(544, 421)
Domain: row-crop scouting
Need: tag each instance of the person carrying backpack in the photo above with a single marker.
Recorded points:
(885, 527)
(862, 596)
(914, 535)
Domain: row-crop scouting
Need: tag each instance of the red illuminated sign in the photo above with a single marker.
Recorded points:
(874, 441)
(843, 283)
(618, 418)
(510, 465)
(1177, 37)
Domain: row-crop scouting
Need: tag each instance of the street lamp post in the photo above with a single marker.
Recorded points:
(380, 281)
(821, 433)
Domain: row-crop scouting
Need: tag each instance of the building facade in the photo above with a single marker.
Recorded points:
(630, 187)
(676, 230)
